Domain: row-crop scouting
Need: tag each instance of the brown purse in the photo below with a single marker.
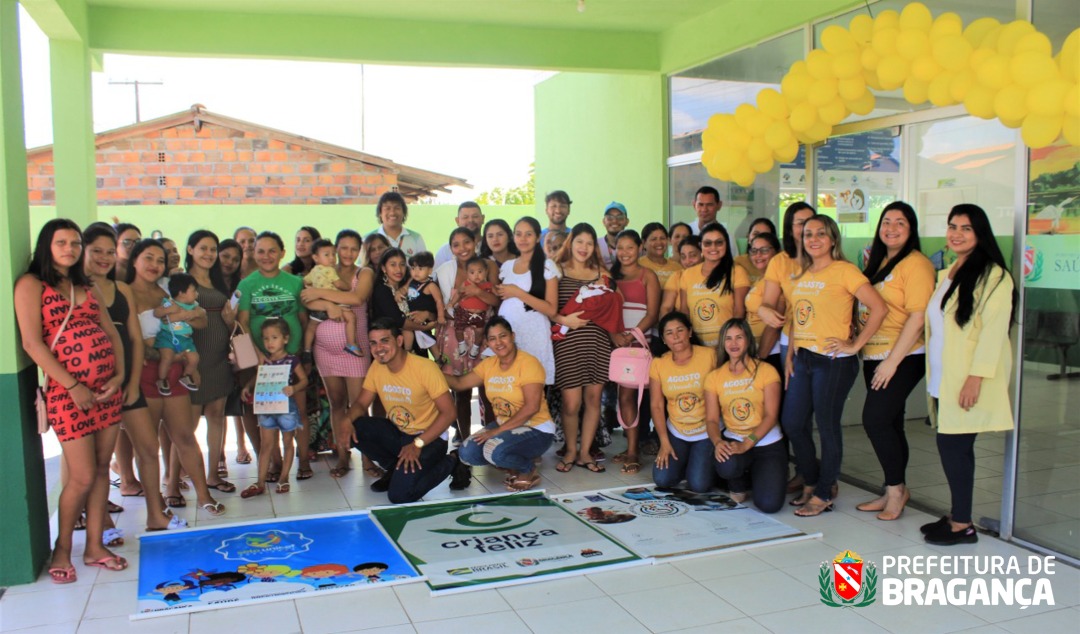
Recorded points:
(39, 399)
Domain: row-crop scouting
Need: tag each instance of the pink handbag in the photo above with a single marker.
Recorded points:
(242, 349)
(629, 367)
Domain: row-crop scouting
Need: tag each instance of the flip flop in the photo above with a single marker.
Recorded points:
(522, 483)
(215, 509)
(564, 466)
(590, 466)
(118, 563)
(113, 507)
(252, 491)
(630, 468)
(140, 494)
(374, 471)
(282, 488)
(223, 486)
(339, 472)
(175, 501)
(304, 474)
(62, 575)
(243, 458)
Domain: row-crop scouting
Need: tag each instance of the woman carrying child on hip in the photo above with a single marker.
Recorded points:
(275, 337)
(324, 276)
(423, 294)
(174, 341)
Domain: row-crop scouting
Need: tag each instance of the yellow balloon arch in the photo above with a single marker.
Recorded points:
(1003, 71)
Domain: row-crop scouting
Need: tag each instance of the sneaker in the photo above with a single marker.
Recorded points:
(354, 351)
(382, 485)
(474, 351)
(189, 383)
(461, 476)
(945, 536)
(461, 348)
(163, 387)
(932, 526)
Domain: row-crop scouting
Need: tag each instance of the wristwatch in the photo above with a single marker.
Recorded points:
(753, 437)
(419, 442)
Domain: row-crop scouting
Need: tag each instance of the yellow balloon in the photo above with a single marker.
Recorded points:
(862, 28)
(994, 73)
(837, 39)
(1040, 131)
(863, 105)
(1011, 123)
(847, 64)
(820, 64)
(819, 131)
(916, 16)
(979, 57)
(725, 124)
(884, 42)
(893, 71)
(869, 59)
(772, 104)
(946, 24)
(1069, 57)
(872, 81)
(796, 87)
(916, 91)
(1011, 103)
(1070, 128)
(851, 89)
(787, 153)
(961, 82)
(1030, 68)
(743, 114)
(1048, 98)
(977, 30)
(822, 92)
(833, 112)
(990, 40)
(762, 167)
(759, 123)
(1011, 34)
(758, 150)
(778, 135)
(803, 116)
(887, 20)
(743, 175)
(1072, 101)
(939, 93)
(1036, 42)
(979, 101)
(739, 140)
(952, 52)
(912, 44)
(925, 69)
(727, 159)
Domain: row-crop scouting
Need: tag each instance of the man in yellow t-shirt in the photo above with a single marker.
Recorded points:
(410, 443)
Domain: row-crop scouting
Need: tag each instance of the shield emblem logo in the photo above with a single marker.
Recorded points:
(848, 575)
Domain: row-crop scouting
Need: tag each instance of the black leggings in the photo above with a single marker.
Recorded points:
(883, 414)
(957, 453)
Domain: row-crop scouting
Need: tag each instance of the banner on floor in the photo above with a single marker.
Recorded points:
(671, 523)
(474, 543)
(223, 566)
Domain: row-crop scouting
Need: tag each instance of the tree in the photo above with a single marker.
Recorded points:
(520, 195)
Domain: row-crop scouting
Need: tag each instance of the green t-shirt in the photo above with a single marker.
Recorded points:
(277, 296)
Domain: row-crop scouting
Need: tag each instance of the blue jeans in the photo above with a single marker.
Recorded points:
(381, 440)
(282, 422)
(767, 469)
(695, 464)
(818, 388)
(514, 449)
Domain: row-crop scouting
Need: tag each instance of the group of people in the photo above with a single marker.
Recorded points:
(748, 352)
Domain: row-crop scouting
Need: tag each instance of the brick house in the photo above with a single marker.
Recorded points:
(198, 157)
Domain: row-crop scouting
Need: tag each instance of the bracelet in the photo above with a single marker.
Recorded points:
(753, 437)
(73, 386)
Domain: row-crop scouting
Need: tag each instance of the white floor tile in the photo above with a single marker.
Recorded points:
(639, 578)
(554, 592)
(376, 607)
(69, 627)
(112, 599)
(762, 592)
(501, 622)
(925, 619)
(421, 606)
(57, 605)
(667, 609)
(173, 624)
(279, 617)
(593, 615)
(719, 566)
(818, 619)
(393, 629)
(740, 626)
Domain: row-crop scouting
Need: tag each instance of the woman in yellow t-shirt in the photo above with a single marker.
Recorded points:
(762, 249)
(759, 227)
(824, 366)
(522, 430)
(689, 255)
(655, 239)
(742, 407)
(715, 290)
(779, 273)
(894, 359)
(677, 395)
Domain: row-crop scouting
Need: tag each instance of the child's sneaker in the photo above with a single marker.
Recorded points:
(354, 351)
(461, 348)
(163, 387)
(188, 382)
(474, 351)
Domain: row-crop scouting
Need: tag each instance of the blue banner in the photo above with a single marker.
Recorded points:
(204, 569)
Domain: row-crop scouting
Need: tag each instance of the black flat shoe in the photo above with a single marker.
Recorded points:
(929, 528)
(945, 536)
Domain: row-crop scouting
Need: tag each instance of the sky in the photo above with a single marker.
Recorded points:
(471, 123)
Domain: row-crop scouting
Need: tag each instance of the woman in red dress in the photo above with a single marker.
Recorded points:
(67, 332)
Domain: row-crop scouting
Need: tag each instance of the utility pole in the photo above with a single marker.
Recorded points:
(363, 112)
(136, 83)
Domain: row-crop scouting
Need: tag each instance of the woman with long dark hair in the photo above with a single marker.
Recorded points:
(715, 290)
(761, 249)
(230, 257)
(969, 361)
(894, 359)
(67, 332)
(498, 242)
(655, 240)
(302, 262)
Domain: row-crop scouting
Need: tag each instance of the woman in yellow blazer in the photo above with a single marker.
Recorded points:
(969, 361)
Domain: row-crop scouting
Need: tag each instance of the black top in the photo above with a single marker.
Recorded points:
(418, 300)
(383, 304)
(119, 312)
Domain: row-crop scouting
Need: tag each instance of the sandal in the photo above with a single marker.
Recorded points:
(116, 563)
(522, 483)
(63, 574)
(560, 452)
(564, 466)
(273, 476)
(214, 508)
(813, 507)
(339, 472)
(243, 458)
(252, 491)
(630, 468)
(304, 474)
(223, 486)
(175, 502)
(222, 469)
(620, 457)
(113, 507)
(802, 498)
(282, 488)
(80, 522)
(112, 537)
(590, 466)
(374, 470)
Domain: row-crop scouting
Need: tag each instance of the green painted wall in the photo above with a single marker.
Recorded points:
(601, 138)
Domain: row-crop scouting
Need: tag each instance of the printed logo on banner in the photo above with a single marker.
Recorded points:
(1033, 263)
(473, 525)
(272, 544)
(660, 508)
(847, 582)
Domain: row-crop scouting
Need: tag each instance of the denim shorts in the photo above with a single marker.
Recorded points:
(282, 422)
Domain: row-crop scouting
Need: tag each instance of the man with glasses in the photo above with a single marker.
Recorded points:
(615, 220)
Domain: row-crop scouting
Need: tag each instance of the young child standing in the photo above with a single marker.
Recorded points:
(275, 337)
(324, 276)
(472, 311)
(423, 293)
(173, 341)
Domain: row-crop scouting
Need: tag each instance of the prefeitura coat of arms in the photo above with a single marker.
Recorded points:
(847, 581)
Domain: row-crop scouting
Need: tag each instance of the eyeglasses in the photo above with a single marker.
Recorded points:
(761, 251)
(128, 243)
(713, 243)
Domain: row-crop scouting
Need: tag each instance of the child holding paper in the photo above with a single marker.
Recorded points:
(275, 337)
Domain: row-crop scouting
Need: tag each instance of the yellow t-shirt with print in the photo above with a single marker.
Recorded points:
(753, 303)
(672, 285)
(504, 388)
(684, 389)
(822, 304)
(663, 271)
(408, 395)
(743, 261)
(708, 308)
(906, 289)
(742, 398)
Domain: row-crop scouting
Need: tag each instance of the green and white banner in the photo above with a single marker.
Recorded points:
(672, 523)
(473, 543)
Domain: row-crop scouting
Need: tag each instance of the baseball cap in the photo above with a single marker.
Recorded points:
(616, 206)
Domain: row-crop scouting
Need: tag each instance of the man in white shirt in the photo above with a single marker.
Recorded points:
(557, 207)
(707, 204)
(615, 220)
(471, 217)
(391, 213)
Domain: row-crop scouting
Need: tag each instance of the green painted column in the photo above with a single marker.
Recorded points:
(24, 522)
(73, 131)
